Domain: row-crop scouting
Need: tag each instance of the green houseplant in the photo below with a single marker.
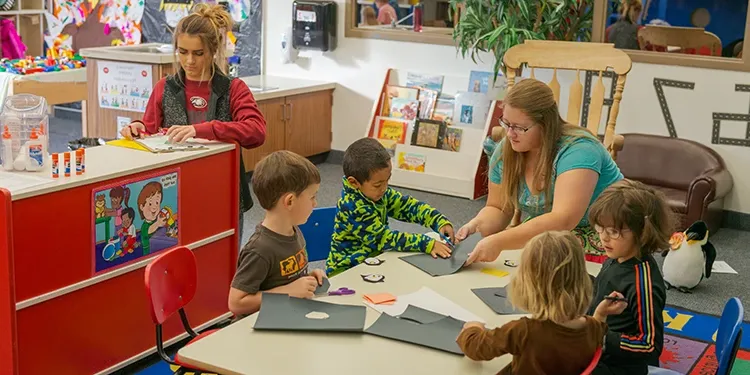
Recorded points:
(494, 26)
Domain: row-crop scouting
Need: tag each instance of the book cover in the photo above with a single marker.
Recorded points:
(411, 161)
(452, 139)
(392, 129)
(482, 81)
(397, 92)
(427, 100)
(471, 109)
(428, 133)
(444, 106)
(406, 109)
(424, 81)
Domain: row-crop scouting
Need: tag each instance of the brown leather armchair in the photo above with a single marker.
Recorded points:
(692, 176)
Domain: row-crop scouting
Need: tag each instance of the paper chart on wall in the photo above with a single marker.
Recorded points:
(126, 15)
(124, 86)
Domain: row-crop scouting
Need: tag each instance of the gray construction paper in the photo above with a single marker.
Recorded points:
(439, 335)
(444, 266)
(500, 305)
(281, 312)
(420, 315)
(323, 289)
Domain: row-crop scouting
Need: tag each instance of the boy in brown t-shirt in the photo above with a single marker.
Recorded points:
(274, 260)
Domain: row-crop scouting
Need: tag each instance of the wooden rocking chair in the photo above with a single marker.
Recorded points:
(598, 58)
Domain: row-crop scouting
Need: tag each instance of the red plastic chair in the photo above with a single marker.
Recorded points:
(594, 362)
(171, 281)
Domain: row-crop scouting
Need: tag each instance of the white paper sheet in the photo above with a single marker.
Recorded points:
(14, 182)
(427, 299)
(721, 266)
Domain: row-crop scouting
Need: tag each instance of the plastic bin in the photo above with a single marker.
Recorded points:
(23, 113)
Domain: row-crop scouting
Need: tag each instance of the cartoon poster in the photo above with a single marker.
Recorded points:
(135, 219)
(124, 86)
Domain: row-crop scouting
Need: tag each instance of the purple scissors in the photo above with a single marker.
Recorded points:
(341, 292)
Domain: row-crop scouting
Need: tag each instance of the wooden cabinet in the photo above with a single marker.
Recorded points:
(298, 123)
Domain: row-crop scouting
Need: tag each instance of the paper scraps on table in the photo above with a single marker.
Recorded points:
(721, 266)
(426, 299)
(495, 272)
(380, 298)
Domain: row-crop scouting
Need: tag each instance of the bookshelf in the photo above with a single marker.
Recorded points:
(28, 16)
(462, 173)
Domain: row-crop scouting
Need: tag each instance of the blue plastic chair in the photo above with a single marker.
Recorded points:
(729, 336)
(318, 231)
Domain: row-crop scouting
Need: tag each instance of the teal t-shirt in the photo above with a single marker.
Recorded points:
(580, 153)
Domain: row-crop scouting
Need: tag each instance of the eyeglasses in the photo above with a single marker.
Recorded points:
(517, 129)
(612, 233)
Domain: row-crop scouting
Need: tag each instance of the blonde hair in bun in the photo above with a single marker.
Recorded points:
(210, 23)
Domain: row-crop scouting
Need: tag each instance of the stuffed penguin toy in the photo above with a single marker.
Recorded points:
(689, 258)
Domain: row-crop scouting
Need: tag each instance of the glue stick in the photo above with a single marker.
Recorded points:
(79, 161)
(66, 165)
(55, 165)
(83, 160)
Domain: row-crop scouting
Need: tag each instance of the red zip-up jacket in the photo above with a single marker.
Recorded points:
(248, 127)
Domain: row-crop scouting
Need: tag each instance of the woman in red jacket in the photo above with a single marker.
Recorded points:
(200, 100)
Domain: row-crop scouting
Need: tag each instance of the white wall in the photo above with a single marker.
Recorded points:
(359, 67)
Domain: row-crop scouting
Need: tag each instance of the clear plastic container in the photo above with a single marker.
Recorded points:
(23, 113)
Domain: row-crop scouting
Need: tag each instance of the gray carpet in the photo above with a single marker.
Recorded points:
(709, 297)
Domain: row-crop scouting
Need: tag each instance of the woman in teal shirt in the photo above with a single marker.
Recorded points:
(541, 156)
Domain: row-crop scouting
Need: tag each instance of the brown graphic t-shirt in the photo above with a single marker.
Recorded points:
(270, 260)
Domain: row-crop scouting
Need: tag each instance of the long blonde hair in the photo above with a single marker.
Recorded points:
(535, 99)
(630, 10)
(210, 23)
(552, 282)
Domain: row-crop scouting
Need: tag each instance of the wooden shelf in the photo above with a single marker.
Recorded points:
(28, 17)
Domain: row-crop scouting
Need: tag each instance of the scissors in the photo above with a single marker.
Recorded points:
(341, 292)
(447, 241)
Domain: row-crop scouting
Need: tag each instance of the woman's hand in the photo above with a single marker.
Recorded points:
(483, 252)
(466, 231)
(135, 129)
(180, 133)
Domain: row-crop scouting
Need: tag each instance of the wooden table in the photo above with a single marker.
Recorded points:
(238, 349)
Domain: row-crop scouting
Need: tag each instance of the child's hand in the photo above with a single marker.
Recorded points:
(447, 231)
(304, 287)
(610, 307)
(466, 231)
(473, 324)
(319, 275)
(439, 249)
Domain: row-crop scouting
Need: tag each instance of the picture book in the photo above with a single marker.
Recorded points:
(482, 81)
(471, 109)
(160, 143)
(428, 133)
(424, 81)
(397, 92)
(392, 129)
(406, 109)
(452, 139)
(444, 106)
(427, 99)
(411, 161)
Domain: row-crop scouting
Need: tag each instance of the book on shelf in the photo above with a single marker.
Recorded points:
(482, 82)
(471, 109)
(452, 139)
(406, 109)
(392, 129)
(444, 106)
(411, 161)
(424, 81)
(393, 91)
(427, 100)
(428, 133)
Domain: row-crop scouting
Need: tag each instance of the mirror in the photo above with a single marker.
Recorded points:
(425, 21)
(677, 28)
